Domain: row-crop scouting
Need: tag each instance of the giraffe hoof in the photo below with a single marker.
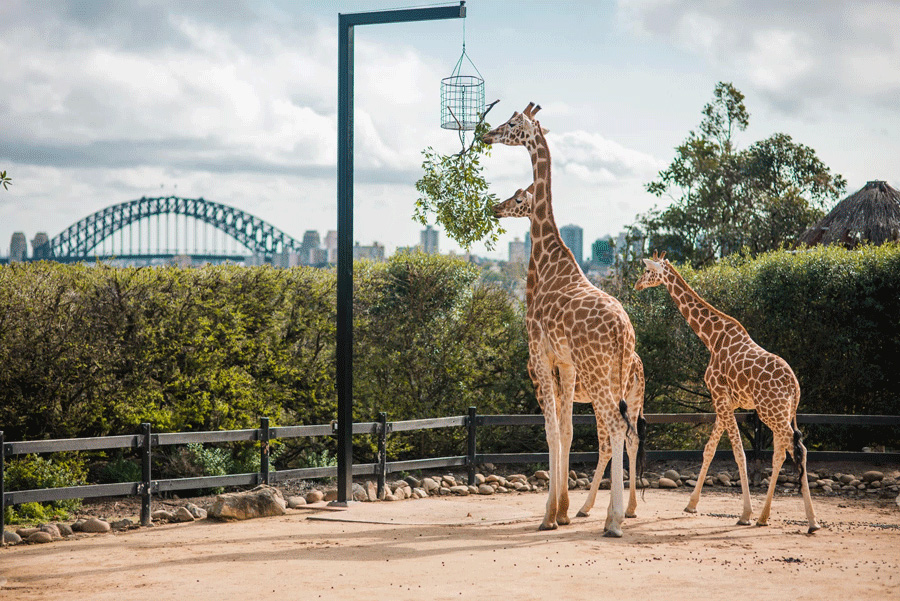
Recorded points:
(630, 514)
(743, 522)
(610, 533)
(550, 526)
(762, 524)
(690, 510)
(813, 529)
(582, 514)
(563, 520)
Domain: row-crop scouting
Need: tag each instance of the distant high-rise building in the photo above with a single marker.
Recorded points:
(429, 241)
(331, 246)
(573, 237)
(18, 248)
(374, 252)
(528, 244)
(310, 243)
(517, 251)
(40, 247)
(602, 252)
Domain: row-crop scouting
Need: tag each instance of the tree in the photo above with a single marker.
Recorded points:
(5, 181)
(726, 199)
(454, 189)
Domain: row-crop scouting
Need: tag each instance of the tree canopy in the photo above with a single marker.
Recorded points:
(726, 199)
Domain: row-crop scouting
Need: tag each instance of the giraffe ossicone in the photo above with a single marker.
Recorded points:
(579, 337)
(740, 374)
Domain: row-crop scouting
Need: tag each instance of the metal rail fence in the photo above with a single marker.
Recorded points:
(146, 441)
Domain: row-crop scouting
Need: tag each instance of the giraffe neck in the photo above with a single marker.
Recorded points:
(707, 322)
(548, 253)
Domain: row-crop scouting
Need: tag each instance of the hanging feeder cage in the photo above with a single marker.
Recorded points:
(462, 97)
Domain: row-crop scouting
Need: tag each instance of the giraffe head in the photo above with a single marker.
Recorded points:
(517, 205)
(653, 276)
(519, 128)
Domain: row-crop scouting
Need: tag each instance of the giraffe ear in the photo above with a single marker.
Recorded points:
(545, 131)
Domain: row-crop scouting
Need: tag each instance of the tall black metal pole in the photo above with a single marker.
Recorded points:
(344, 366)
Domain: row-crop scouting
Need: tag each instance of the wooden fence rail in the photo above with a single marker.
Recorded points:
(146, 441)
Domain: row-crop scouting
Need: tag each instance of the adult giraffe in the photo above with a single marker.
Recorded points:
(521, 204)
(740, 374)
(575, 331)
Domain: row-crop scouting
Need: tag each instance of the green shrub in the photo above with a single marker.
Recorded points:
(121, 470)
(36, 472)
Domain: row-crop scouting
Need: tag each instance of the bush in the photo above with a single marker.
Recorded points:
(36, 472)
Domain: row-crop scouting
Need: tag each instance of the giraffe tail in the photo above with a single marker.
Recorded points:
(799, 454)
(642, 448)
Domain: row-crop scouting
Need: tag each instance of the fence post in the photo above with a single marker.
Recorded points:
(264, 450)
(145, 475)
(382, 452)
(2, 490)
(470, 459)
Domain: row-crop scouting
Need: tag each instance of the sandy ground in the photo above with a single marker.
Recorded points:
(485, 547)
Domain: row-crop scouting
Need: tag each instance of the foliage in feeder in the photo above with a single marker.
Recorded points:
(456, 192)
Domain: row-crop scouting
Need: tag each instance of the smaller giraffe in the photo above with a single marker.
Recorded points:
(521, 204)
(740, 374)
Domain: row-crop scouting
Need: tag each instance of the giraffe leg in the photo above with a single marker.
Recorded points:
(778, 454)
(605, 453)
(800, 449)
(734, 433)
(709, 451)
(551, 427)
(631, 444)
(566, 431)
(616, 512)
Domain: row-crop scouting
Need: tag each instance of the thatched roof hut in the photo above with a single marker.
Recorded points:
(871, 215)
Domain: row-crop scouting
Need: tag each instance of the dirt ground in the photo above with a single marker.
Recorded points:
(486, 547)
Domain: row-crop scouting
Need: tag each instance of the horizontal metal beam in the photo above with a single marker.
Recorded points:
(427, 424)
(402, 15)
(72, 444)
(213, 436)
(45, 495)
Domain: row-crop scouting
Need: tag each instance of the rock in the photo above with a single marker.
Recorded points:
(420, 493)
(330, 495)
(671, 475)
(461, 491)
(572, 483)
(811, 476)
(24, 533)
(52, 530)
(76, 525)
(11, 538)
(315, 496)
(412, 481)
(359, 493)
(125, 524)
(183, 514)
(691, 483)
(502, 489)
(665, 482)
(443, 491)
(582, 483)
(473, 490)
(542, 475)
(64, 529)
(296, 501)
(449, 481)
(827, 488)
(605, 483)
(95, 525)
(198, 512)
(39, 537)
(485, 489)
(873, 476)
(162, 515)
(846, 478)
(430, 485)
(260, 502)
(573, 475)
(479, 479)
(371, 491)
(400, 493)
(875, 484)
(521, 486)
(724, 479)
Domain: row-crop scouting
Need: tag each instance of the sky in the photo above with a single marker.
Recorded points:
(105, 101)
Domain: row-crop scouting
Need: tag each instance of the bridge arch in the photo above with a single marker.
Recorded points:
(80, 239)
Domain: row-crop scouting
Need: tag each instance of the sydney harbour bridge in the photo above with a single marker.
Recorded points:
(157, 230)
